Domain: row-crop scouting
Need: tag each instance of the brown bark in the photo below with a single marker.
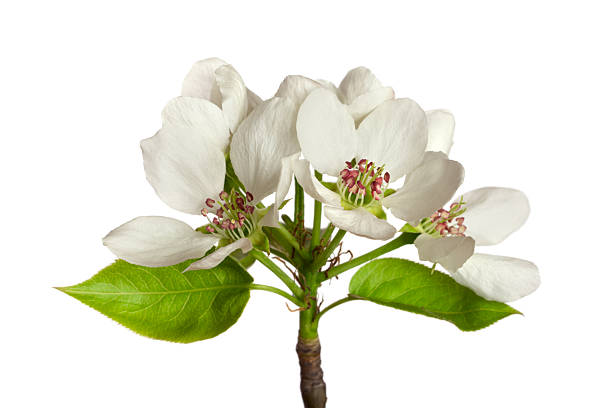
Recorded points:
(311, 375)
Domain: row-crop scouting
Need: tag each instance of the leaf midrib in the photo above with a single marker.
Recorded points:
(167, 292)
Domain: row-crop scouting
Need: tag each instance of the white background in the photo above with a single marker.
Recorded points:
(82, 82)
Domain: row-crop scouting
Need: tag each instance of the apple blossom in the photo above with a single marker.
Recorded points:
(187, 171)
(388, 144)
(482, 217)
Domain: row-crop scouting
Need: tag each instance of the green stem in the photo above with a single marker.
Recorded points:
(404, 239)
(328, 233)
(255, 286)
(308, 323)
(332, 305)
(322, 259)
(298, 209)
(316, 223)
(287, 280)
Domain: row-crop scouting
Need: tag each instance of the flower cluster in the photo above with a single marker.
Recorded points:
(218, 136)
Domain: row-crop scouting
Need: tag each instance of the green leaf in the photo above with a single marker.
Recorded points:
(166, 304)
(413, 287)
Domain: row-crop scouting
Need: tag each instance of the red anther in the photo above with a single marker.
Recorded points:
(376, 188)
(240, 201)
(241, 215)
(444, 214)
(370, 164)
(360, 185)
(354, 189)
(441, 227)
(220, 213)
(387, 177)
(349, 164)
(225, 224)
(249, 196)
(363, 162)
(350, 182)
(210, 202)
(210, 229)
(444, 232)
(379, 181)
(460, 220)
(204, 212)
(250, 209)
(216, 221)
(462, 229)
(223, 195)
(453, 230)
(344, 173)
(241, 221)
(232, 225)
(453, 205)
(375, 195)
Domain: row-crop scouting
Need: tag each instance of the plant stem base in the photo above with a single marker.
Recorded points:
(311, 375)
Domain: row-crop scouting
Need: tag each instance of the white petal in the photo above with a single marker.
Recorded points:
(359, 222)
(328, 85)
(253, 100)
(493, 213)
(358, 81)
(285, 179)
(200, 115)
(326, 132)
(262, 140)
(450, 252)
(183, 168)
(214, 259)
(394, 134)
(366, 103)
(426, 189)
(440, 126)
(296, 88)
(157, 241)
(312, 186)
(233, 95)
(499, 278)
(201, 81)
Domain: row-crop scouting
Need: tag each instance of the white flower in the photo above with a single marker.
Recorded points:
(485, 216)
(360, 91)
(388, 144)
(218, 82)
(188, 174)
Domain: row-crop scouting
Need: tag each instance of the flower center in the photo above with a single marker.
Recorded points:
(446, 222)
(361, 183)
(233, 217)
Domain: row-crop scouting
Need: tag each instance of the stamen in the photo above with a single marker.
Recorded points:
(446, 222)
(233, 218)
(362, 183)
